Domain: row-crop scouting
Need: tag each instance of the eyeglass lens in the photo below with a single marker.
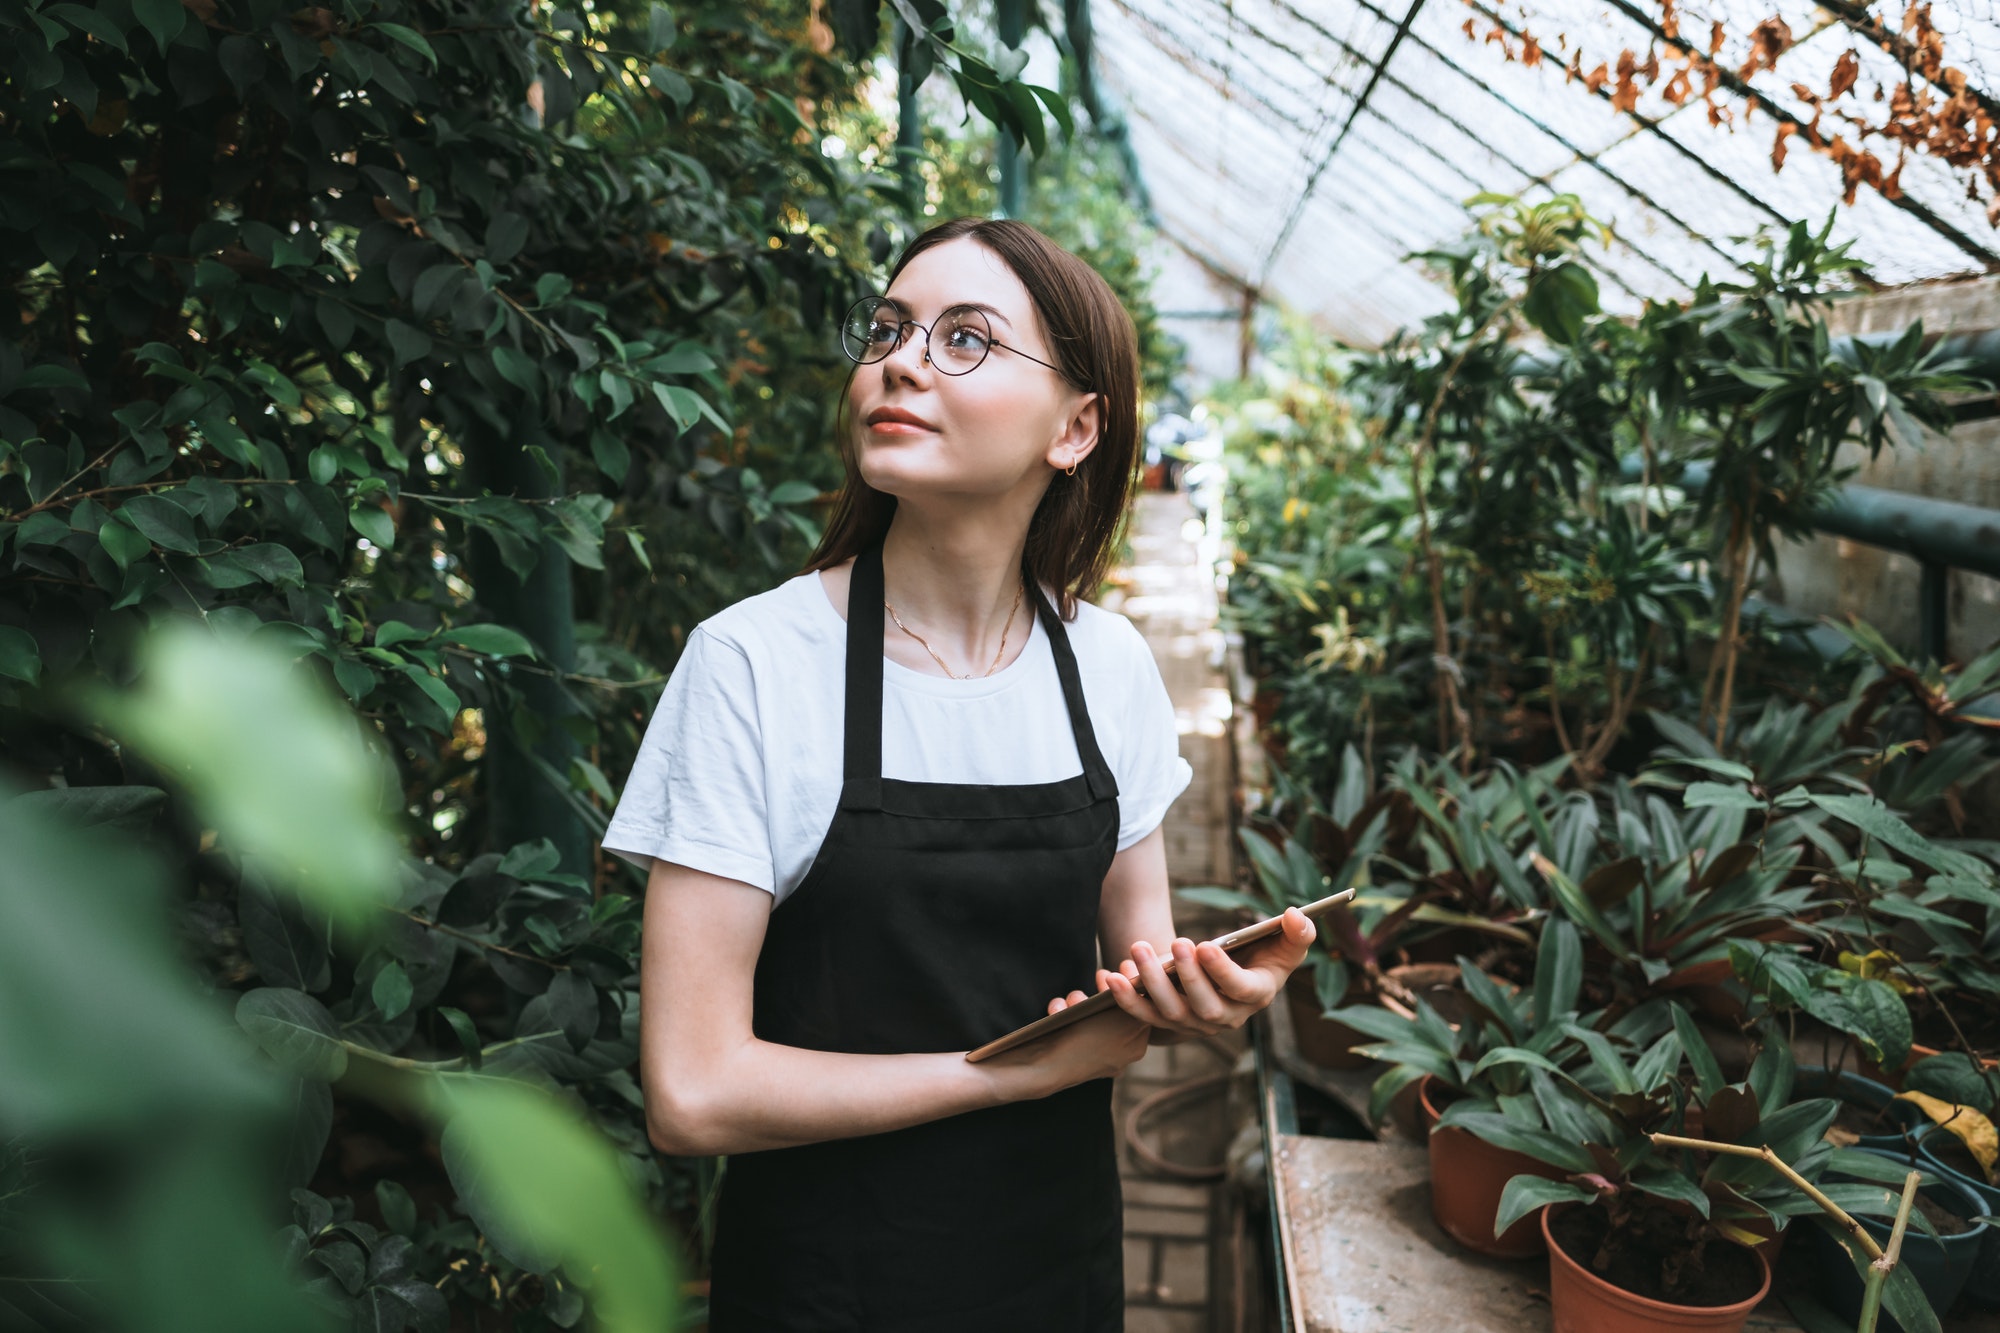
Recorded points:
(959, 338)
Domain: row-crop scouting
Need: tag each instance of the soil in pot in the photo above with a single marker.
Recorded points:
(1729, 1274)
(1869, 1113)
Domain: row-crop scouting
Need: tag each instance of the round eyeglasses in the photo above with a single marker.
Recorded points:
(874, 327)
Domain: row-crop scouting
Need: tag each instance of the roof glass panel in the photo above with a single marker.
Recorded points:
(1262, 123)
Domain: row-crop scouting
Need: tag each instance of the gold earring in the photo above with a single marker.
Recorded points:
(1070, 471)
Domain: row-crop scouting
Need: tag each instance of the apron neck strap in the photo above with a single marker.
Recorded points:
(861, 764)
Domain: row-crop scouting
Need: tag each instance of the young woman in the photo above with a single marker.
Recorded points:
(904, 802)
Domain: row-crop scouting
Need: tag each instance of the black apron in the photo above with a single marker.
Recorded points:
(936, 917)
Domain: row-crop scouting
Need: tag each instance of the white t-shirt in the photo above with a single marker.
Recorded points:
(740, 770)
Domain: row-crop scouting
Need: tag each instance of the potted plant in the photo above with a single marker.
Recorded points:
(1488, 1089)
(1651, 1234)
(1940, 1255)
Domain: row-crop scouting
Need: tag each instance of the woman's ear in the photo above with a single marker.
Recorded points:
(1079, 435)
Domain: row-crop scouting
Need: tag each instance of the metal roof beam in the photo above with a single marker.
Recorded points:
(1581, 155)
(1353, 113)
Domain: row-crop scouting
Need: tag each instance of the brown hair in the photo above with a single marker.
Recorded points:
(1073, 535)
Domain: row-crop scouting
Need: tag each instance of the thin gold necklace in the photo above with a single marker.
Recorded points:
(939, 660)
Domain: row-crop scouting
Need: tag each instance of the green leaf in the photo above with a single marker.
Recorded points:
(493, 640)
(683, 405)
(1209, 895)
(660, 32)
(267, 561)
(407, 342)
(295, 1030)
(793, 492)
(438, 692)
(546, 1188)
(1876, 820)
(1558, 972)
(517, 367)
(391, 990)
(1701, 795)
(163, 18)
(286, 948)
(467, 1034)
(373, 522)
(409, 37)
(20, 656)
(165, 522)
(269, 758)
(1524, 1194)
(399, 1210)
(1539, 1144)
(638, 545)
(1707, 1071)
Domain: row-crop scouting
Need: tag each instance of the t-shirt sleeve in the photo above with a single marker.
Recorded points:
(1151, 772)
(696, 794)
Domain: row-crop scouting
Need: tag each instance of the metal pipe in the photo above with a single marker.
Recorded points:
(1938, 532)
(1981, 352)
(909, 123)
(1013, 24)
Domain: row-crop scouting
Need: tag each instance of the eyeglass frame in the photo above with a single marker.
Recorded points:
(991, 341)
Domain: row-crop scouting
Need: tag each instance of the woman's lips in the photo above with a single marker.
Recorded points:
(899, 421)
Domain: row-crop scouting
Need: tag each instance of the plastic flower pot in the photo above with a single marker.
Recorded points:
(1467, 1177)
(1983, 1285)
(1322, 1040)
(1941, 1265)
(1582, 1302)
(1868, 1095)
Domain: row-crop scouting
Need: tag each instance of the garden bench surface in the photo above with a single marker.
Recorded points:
(1368, 1258)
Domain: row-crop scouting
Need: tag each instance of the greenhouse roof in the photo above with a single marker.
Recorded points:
(1304, 148)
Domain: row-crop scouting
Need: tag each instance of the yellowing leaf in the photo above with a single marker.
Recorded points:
(1875, 965)
(1741, 1235)
(1975, 1129)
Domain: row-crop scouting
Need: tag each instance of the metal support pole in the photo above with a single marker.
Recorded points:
(909, 122)
(1933, 610)
(1013, 28)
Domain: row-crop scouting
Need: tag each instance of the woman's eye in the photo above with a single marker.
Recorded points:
(969, 339)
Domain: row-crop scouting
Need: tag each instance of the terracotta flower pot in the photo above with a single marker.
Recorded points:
(1322, 1040)
(1468, 1175)
(1582, 1302)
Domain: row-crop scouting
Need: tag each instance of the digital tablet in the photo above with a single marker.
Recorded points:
(1104, 1000)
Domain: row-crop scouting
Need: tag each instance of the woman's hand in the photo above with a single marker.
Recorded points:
(1098, 1047)
(1215, 991)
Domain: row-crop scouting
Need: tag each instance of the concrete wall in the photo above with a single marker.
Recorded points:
(1833, 576)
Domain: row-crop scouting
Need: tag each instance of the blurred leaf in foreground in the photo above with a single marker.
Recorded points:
(272, 761)
(545, 1188)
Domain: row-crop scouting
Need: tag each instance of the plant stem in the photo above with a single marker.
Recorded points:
(1879, 1270)
(1451, 712)
(1804, 1186)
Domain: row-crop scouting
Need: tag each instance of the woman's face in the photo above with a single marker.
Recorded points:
(1001, 428)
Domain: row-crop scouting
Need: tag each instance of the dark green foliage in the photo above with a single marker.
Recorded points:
(467, 354)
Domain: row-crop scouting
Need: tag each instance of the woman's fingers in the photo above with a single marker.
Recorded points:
(1063, 1002)
(1202, 999)
(1133, 1003)
(1159, 987)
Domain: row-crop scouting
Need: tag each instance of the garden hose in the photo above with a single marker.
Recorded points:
(1134, 1137)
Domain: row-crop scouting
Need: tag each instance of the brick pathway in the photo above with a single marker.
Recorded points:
(1168, 591)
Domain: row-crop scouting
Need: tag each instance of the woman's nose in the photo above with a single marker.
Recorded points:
(910, 356)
